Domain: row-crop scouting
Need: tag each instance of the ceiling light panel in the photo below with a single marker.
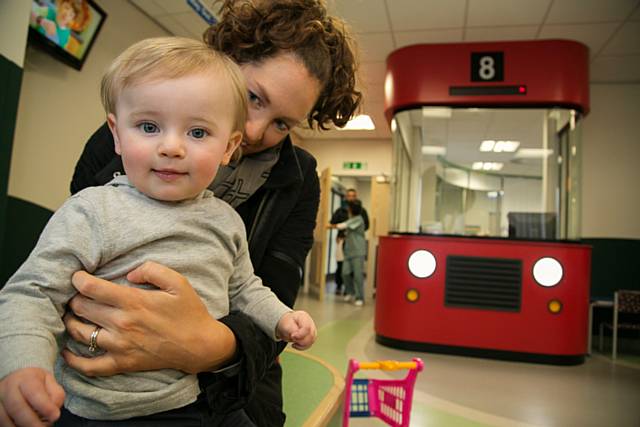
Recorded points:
(361, 122)
(500, 146)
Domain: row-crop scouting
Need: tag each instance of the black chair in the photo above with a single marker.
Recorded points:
(614, 266)
(532, 225)
(625, 302)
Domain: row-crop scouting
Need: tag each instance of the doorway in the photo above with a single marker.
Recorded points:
(374, 193)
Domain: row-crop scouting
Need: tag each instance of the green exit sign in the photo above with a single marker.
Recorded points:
(354, 165)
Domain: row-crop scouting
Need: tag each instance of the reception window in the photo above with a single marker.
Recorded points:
(487, 172)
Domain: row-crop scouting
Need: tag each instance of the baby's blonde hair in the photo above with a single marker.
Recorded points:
(169, 58)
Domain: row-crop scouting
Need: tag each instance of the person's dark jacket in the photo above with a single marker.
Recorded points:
(280, 219)
(342, 214)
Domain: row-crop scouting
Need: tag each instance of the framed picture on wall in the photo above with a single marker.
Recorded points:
(66, 29)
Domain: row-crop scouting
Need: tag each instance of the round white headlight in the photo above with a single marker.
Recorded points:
(422, 264)
(547, 272)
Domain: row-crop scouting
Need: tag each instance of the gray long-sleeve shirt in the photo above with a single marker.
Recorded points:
(108, 231)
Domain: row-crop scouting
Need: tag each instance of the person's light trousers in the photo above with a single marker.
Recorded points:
(353, 276)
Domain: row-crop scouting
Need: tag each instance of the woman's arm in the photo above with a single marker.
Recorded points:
(230, 388)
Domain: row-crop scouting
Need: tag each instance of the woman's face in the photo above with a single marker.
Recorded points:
(281, 95)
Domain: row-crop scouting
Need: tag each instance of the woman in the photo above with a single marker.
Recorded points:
(299, 65)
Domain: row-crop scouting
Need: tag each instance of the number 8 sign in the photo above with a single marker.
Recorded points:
(487, 66)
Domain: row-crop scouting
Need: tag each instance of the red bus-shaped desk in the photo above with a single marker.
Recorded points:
(489, 297)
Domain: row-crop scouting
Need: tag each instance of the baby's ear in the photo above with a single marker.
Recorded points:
(111, 121)
(232, 148)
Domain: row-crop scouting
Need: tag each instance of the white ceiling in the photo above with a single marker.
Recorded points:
(610, 28)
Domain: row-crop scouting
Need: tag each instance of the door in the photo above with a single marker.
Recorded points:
(318, 255)
(378, 226)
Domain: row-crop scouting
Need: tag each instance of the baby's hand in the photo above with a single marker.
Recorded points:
(297, 327)
(30, 397)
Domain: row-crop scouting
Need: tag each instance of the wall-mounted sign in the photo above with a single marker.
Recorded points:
(354, 165)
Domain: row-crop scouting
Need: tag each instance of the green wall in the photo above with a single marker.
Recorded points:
(615, 264)
(10, 80)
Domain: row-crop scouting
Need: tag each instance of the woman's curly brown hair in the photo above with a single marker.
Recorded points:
(253, 30)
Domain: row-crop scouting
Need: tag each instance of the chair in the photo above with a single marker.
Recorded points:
(624, 302)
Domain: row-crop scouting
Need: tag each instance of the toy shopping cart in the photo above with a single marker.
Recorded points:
(389, 400)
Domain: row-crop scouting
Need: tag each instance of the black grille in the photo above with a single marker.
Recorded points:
(486, 283)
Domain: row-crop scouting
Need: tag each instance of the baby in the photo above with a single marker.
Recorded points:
(177, 110)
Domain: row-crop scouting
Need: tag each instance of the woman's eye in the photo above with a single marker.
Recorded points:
(281, 126)
(254, 99)
(198, 133)
(147, 127)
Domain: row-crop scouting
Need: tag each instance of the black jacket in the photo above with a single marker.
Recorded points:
(280, 219)
(342, 214)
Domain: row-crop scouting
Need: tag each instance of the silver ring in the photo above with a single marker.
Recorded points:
(93, 340)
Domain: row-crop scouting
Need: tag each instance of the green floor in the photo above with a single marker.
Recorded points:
(306, 381)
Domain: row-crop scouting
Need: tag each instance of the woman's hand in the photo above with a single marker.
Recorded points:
(146, 329)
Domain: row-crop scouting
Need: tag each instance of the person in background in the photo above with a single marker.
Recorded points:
(176, 109)
(355, 249)
(300, 66)
(340, 215)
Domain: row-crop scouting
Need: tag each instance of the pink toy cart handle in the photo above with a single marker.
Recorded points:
(388, 400)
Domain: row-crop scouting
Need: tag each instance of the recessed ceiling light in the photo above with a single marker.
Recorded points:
(436, 112)
(487, 145)
(434, 150)
(360, 122)
(487, 166)
(506, 146)
(500, 146)
(533, 153)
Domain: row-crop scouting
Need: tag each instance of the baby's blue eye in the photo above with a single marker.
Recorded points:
(148, 127)
(198, 133)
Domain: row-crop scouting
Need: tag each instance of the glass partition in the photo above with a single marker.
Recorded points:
(487, 172)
